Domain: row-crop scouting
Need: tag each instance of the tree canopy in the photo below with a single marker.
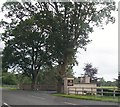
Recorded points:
(49, 33)
(91, 72)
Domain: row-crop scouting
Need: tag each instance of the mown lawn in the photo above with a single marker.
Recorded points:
(90, 97)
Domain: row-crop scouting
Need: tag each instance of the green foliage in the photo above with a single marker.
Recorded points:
(91, 72)
(27, 49)
(47, 76)
(9, 79)
(44, 33)
(23, 79)
(26, 80)
(118, 81)
(102, 82)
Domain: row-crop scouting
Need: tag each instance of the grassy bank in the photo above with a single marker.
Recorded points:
(86, 97)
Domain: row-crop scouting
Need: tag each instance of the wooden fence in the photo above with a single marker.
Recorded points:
(38, 87)
(94, 91)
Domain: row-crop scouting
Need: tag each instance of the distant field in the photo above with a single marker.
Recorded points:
(107, 87)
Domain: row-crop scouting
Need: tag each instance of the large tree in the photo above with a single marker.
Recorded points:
(68, 26)
(27, 49)
(74, 22)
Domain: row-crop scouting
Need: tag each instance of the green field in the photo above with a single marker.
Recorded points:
(107, 87)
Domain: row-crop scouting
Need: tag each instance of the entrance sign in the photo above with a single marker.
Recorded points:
(70, 87)
(70, 83)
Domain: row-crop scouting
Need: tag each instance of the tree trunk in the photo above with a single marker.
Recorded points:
(34, 82)
(59, 88)
(61, 75)
(59, 85)
(33, 85)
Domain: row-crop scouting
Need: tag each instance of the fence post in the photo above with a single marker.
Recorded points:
(91, 91)
(75, 90)
(114, 92)
(82, 90)
(68, 90)
(102, 91)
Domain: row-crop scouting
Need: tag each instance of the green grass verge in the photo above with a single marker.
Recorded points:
(9, 87)
(86, 97)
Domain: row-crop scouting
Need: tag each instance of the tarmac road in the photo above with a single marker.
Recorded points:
(21, 97)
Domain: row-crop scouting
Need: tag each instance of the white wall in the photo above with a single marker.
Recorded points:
(78, 88)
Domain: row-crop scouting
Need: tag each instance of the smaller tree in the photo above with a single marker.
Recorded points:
(91, 72)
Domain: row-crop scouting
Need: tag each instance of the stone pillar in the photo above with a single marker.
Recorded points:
(68, 82)
(81, 79)
(87, 79)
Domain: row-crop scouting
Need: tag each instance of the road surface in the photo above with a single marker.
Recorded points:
(21, 97)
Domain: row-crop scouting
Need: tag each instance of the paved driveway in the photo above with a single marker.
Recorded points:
(20, 97)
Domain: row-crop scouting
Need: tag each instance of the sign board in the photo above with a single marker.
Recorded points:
(70, 83)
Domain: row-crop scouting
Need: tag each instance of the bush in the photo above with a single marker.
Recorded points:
(26, 80)
(9, 79)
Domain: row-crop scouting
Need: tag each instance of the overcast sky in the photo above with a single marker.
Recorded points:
(102, 52)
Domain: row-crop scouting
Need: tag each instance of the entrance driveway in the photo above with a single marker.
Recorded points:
(21, 97)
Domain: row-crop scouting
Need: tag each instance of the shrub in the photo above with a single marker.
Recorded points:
(9, 79)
